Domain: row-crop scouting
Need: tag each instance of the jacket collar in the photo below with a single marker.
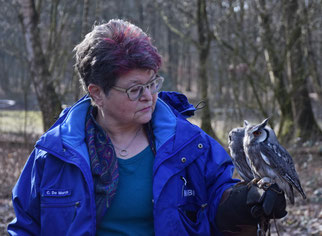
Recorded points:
(163, 123)
(68, 131)
(168, 124)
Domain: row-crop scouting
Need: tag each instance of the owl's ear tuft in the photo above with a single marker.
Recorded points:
(246, 123)
(264, 122)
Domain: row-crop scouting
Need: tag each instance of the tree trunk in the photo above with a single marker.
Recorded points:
(85, 18)
(306, 126)
(275, 67)
(204, 48)
(172, 66)
(206, 116)
(188, 74)
(173, 55)
(48, 99)
(84, 30)
(313, 58)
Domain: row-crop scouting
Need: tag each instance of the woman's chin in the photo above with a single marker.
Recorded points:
(145, 118)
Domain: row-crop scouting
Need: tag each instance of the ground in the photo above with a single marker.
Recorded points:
(304, 217)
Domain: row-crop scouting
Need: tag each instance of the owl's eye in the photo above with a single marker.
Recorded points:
(257, 133)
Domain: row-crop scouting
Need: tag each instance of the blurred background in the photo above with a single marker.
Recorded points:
(244, 59)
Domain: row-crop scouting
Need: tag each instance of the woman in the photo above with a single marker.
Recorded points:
(122, 161)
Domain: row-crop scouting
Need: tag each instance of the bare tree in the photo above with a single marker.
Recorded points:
(275, 66)
(248, 58)
(198, 18)
(305, 124)
(85, 28)
(204, 38)
(48, 99)
(287, 69)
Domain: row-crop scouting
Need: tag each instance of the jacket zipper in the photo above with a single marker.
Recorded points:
(76, 204)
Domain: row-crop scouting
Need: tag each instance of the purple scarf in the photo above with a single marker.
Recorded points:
(103, 162)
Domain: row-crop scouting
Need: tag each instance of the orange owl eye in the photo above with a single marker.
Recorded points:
(256, 133)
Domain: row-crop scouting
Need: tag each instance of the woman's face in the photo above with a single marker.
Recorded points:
(120, 110)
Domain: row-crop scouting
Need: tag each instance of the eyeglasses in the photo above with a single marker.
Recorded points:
(136, 91)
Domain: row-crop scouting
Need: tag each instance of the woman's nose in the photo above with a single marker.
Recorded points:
(147, 94)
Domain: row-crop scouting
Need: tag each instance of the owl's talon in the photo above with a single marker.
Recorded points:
(265, 183)
(252, 183)
(241, 183)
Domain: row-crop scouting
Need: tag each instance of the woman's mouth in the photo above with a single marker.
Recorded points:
(146, 109)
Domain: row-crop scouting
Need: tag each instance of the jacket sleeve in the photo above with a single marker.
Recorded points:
(218, 172)
(25, 199)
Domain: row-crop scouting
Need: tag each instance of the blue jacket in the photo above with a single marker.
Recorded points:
(55, 195)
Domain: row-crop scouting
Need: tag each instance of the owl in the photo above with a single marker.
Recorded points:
(235, 145)
(269, 161)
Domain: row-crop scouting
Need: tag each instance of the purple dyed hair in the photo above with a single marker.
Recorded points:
(111, 50)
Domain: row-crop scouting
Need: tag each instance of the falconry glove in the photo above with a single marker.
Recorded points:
(246, 205)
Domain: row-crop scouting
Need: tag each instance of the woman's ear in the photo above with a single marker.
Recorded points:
(96, 93)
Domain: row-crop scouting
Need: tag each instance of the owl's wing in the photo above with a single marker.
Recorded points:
(242, 167)
(281, 161)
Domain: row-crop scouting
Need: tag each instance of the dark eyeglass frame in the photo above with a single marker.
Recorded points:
(147, 85)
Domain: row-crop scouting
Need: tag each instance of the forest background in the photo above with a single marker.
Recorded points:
(244, 59)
